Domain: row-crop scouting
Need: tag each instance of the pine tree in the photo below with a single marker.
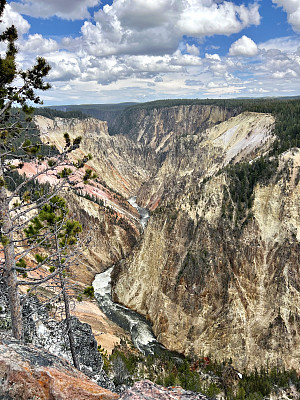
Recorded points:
(17, 145)
(61, 246)
(9, 94)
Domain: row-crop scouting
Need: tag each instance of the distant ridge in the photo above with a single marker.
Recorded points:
(104, 112)
(108, 111)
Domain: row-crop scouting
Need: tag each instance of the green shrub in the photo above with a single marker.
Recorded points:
(89, 291)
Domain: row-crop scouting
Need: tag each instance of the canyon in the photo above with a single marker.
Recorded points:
(214, 276)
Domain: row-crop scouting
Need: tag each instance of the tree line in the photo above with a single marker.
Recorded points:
(52, 113)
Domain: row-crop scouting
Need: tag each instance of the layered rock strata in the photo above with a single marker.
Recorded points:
(122, 164)
(214, 279)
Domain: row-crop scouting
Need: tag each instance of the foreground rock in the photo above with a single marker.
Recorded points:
(51, 335)
(27, 372)
(149, 390)
(42, 331)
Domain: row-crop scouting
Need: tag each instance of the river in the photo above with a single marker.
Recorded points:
(144, 212)
(139, 328)
(134, 323)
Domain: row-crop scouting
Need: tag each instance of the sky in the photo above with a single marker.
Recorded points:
(142, 50)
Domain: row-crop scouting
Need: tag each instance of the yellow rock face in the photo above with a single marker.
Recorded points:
(209, 285)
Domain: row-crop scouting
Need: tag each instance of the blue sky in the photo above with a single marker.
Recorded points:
(142, 50)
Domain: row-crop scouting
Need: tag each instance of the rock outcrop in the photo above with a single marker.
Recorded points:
(51, 334)
(144, 390)
(28, 372)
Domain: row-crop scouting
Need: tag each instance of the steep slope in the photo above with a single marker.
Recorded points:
(120, 163)
(122, 166)
(158, 127)
(217, 269)
(215, 275)
(201, 154)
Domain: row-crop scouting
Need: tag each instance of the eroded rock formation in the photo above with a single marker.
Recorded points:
(121, 163)
(214, 278)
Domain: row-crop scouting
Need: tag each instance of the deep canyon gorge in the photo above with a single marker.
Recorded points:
(216, 269)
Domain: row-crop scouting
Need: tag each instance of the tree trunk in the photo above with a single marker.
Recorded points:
(10, 263)
(68, 321)
(67, 307)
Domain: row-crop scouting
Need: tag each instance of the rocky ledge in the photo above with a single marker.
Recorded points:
(27, 372)
(145, 390)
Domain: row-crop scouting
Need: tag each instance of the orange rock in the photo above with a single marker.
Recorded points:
(27, 372)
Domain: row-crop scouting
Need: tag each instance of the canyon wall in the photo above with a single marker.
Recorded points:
(158, 127)
(213, 276)
(122, 164)
(217, 268)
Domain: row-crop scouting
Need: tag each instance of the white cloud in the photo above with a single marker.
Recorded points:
(218, 91)
(106, 70)
(258, 90)
(243, 47)
(145, 14)
(11, 17)
(141, 27)
(193, 83)
(65, 67)
(134, 44)
(185, 59)
(284, 74)
(101, 40)
(278, 65)
(66, 9)
(286, 44)
(207, 17)
(292, 8)
(192, 49)
(213, 84)
(212, 47)
(134, 27)
(36, 43)
(214, 57)
(156, 27)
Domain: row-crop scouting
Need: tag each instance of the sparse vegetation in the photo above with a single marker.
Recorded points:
(243, 177)
(89, 292)
(125, 365)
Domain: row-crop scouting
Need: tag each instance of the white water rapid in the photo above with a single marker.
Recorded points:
(139, 328)
(144, 212)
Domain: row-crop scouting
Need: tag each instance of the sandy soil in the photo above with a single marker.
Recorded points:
(106, 332)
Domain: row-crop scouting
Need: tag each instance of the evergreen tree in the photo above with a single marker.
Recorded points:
(9, 94)
(61, 246)
(17, 138)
